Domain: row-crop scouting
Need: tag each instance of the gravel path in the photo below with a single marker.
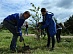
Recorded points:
(61, 36)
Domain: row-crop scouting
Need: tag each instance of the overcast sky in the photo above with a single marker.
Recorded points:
(62, 9)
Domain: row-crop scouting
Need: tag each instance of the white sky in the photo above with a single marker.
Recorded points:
(62, 9)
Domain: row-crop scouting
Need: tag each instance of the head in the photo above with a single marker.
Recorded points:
(26, 14)
(43, 11)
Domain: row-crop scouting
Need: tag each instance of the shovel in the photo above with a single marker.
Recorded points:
(25, 47)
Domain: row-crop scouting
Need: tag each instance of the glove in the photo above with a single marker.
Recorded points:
(40, 23)
(42, 27)
(21, 39)
(19, 34)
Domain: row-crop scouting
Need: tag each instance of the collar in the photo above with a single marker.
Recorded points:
(21, 16)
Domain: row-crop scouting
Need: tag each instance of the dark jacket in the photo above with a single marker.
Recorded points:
(17, 20)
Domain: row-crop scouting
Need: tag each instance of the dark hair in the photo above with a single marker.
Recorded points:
(27, 12)
(43, 9)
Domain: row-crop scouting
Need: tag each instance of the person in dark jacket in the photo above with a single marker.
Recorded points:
(49, 25)
(59, 28)
(13, 23)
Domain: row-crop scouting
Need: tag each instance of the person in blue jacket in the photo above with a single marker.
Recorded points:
(49, 25)
(13, 23)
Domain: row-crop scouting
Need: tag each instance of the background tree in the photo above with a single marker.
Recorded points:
(69, 25)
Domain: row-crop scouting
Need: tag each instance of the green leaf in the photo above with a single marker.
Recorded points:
(38, 8)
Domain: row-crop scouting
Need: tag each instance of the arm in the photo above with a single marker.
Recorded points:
(51, 13)
(47, 22)
(19, 24)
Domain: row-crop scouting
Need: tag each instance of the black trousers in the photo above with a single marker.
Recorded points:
(58, 35)
(49, 38)
(12, 29)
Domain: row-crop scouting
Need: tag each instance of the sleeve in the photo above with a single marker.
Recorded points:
(13, 15)
(19, 24)
(52, 14)
(47, 22)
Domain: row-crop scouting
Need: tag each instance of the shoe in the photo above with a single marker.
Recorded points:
(51, 49)
(12, 50)
(58, 41)
(25, 47)
(48, 45)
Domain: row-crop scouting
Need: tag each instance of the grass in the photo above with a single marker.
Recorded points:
(37, 46)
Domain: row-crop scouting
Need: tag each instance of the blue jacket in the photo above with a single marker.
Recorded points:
(16, 20)
(50, 24)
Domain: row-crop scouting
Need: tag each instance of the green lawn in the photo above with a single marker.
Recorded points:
(37, 46)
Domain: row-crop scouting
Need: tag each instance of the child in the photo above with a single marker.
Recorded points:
(26, 30)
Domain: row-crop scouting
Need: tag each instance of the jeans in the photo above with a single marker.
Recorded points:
(12, 29)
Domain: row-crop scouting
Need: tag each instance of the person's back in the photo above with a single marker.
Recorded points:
(14, 18)
(58, 26)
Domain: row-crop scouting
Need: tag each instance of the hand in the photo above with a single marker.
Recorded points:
(39, 22)
(18, 34)
(21, 39)
(40, 30)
